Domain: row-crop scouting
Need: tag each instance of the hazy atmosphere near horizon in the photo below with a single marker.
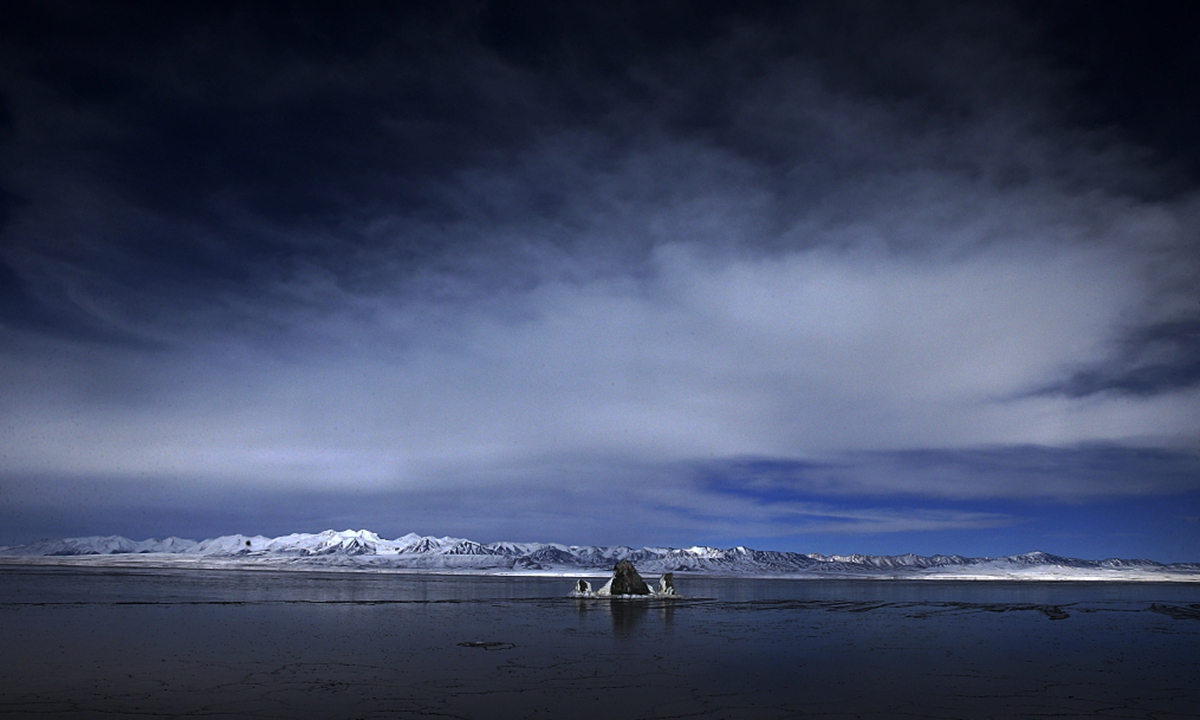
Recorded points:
(872, 277)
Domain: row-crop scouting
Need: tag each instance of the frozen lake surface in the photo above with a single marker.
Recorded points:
(89, 643)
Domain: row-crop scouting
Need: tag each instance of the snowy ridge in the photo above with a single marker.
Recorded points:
(365, 549)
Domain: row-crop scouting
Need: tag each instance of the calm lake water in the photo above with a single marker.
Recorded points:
(88, 643)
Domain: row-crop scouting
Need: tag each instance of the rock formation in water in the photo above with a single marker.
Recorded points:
(626, 580)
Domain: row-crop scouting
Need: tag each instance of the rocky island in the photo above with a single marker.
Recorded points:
(626, 583)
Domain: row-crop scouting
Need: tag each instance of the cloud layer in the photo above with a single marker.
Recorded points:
(512, 263)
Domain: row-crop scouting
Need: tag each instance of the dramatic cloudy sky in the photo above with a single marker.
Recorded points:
(837, 277)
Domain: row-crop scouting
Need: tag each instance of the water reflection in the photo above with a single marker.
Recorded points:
(628, 615)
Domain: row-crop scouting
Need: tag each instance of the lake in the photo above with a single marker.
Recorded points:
(90, 643)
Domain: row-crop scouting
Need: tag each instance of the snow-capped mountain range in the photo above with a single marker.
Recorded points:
(363, 549)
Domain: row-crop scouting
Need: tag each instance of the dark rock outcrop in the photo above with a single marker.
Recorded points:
(626, 580)
(666, 584)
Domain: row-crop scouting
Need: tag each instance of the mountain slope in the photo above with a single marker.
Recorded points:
(365, 549)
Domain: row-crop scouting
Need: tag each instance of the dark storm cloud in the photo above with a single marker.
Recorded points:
(227, 146)
(1153, 359)
(1070, 473)
(1134, 65)
(215, 145)
(501, 259)
(230, 148)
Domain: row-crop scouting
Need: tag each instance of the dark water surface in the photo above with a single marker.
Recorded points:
(89, 643)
